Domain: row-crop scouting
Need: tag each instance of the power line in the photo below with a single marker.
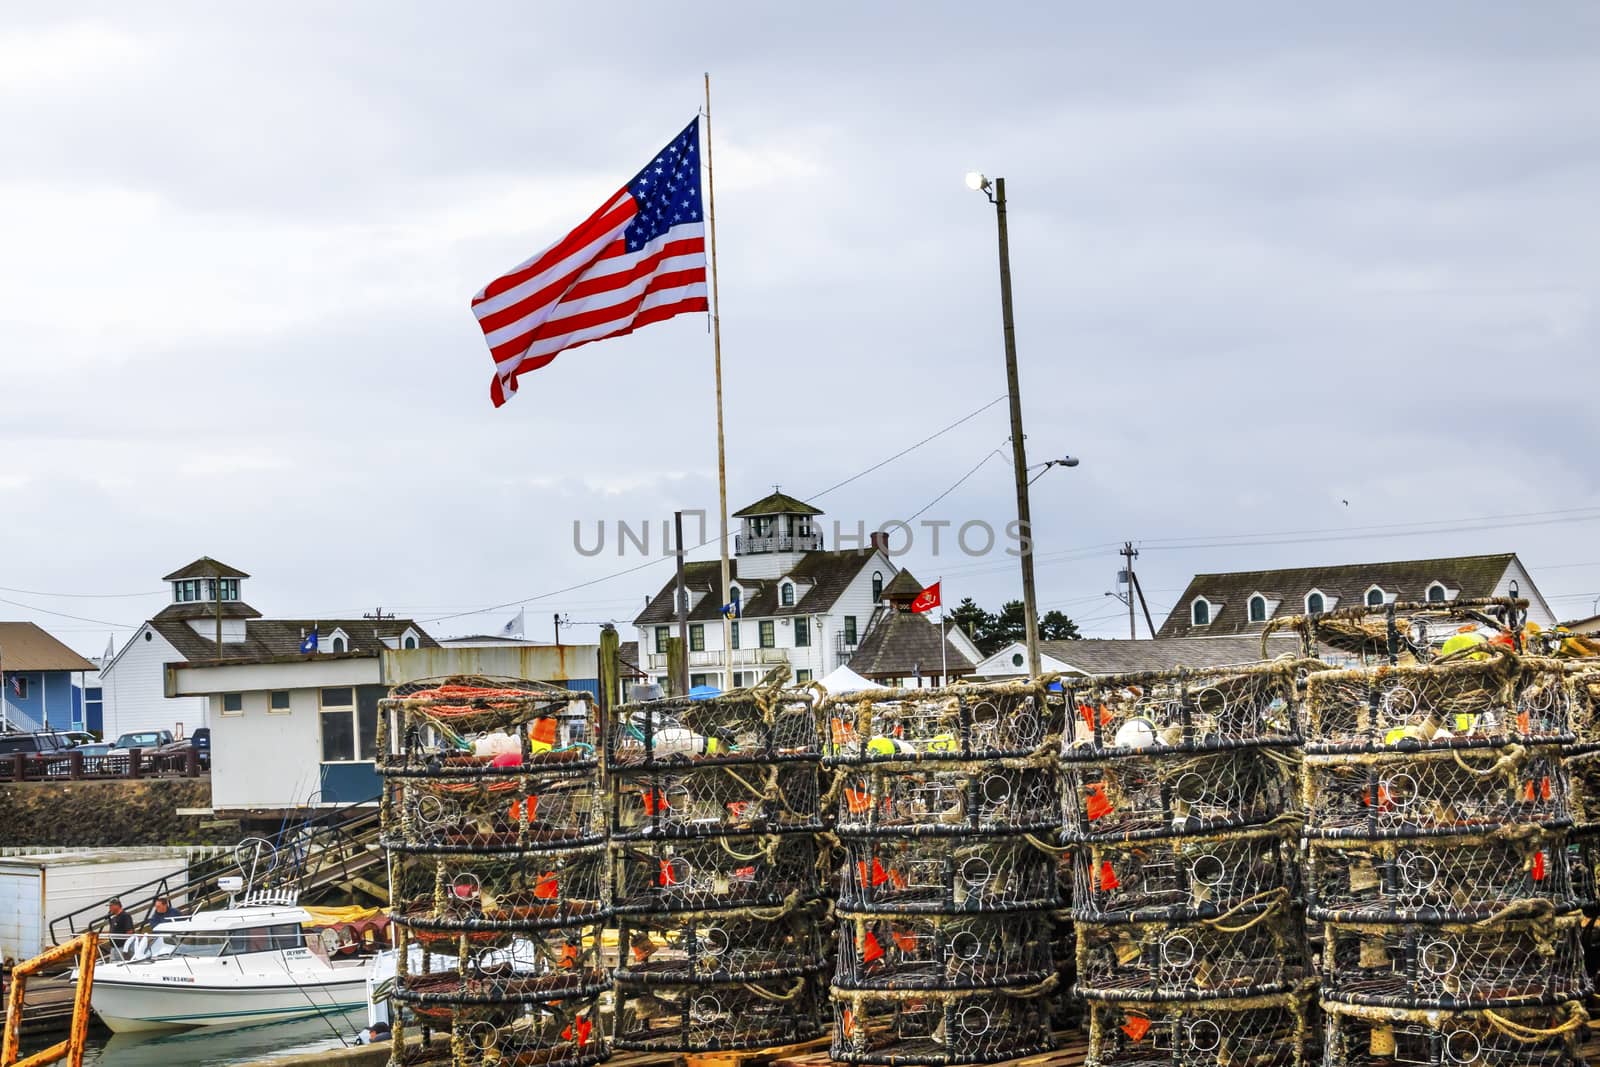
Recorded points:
(64, 615)
(958, 481)
(82, 596)
(913, 448)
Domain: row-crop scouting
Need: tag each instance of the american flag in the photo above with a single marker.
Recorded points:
(640, 259)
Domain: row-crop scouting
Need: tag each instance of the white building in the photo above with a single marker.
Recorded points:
(133, 684)
(799, 603)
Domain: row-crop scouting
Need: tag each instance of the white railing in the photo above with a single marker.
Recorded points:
(740, 657)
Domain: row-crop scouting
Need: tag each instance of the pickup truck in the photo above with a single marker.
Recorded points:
(147, 741)
(40, 744)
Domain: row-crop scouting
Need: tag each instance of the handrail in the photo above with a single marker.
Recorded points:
(84, 947)
(325, 830)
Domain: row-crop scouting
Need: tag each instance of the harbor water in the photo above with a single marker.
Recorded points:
(217, 1046)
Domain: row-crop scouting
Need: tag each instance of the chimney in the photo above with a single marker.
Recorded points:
(880, 541)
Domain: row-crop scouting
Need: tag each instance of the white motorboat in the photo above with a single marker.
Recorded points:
(249, 963)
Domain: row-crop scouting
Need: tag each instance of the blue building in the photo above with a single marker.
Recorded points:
(41, 680)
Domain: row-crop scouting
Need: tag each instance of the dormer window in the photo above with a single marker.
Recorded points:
(1316, 603)
(1200, 612)
(786, 595)
(408, 641)
(1376, 597)
(1437, 593)
(877, 585)
(1258, 608)
(339, 644)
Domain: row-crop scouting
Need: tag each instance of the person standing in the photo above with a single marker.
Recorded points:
(119, 924)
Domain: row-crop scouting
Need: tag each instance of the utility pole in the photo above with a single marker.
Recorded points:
(681, 676)
(1129, 554)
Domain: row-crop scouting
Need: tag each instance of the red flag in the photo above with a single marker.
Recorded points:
(926, 600)
(640, 259)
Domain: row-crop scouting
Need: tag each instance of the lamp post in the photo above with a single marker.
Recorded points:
(995, 190)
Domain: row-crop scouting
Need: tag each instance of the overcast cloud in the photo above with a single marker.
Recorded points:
(1266, 261)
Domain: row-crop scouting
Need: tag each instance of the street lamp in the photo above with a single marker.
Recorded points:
(1064, 461)
(995, 190)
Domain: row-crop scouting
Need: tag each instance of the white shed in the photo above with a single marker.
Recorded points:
(37, 889)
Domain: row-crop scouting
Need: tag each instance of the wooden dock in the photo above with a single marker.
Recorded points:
(46, 1006)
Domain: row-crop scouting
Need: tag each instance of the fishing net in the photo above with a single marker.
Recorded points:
(765, 724)
(949, 875)
(1255, 951)
(1583, 861)
(1486, 702)
(948, 1027)
(1584, 677)
(964, 722)
(933, 799)
(715, 801)
(1437, 879)
(1159, 712)
(1434, 791)
(1509, 1037)
(894, 951)
(1183, 879)
(492, 819)
(1178, 793)
(669, 1018)
(1264, 1031)
(714, 810)
(1454, 965)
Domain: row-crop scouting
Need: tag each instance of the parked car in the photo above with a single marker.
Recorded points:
(201, 740)
(39, 744)
(98, 748)
(78, 738)
(144, 740)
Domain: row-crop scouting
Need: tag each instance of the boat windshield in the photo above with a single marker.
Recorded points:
(238, 942)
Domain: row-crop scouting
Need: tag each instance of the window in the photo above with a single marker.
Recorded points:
(769, 635)
(1436, 594)
(733, 634)
(850, 629)
(877, 585)
(663, 635)
(1016, 659)
(339, 724)
(1315, 602)
(802, 676)
(733, 594)
(701, 679)
(410, 641)
(278, 702)
(697, 637)
(1375, 597)
(93, 703)
(786, 595)
(230, 589)
(802, 632)
(339, 644)
(233, 703)
(1200, 612)
(1258, 609)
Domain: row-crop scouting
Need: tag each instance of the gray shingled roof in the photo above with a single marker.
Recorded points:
(1229, 593)
(1121, 656)
(902, 586)
(207, 609)
(205, 567)
(901, 644)
(777, 504)
(271, 639)
(821, 578)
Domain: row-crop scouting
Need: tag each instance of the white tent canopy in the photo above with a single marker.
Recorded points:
(845, 680)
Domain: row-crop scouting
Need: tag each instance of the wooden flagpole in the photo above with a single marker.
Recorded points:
(716, 344)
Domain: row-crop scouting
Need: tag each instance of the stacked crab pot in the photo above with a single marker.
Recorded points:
(1438, 814)
(1582, 761)
(493, 822)
(714, 816)
(1180, 793)
(946, 807)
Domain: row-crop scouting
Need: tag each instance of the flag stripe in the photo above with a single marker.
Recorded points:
(610, 303)
(595, 324)
(544, 288)
(601, 221)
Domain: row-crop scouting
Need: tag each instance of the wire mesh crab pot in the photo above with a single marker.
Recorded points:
(1250, 954)
(941, 1027)
(945, 875)
(714, 810)
(942, 799)
(1161, 712)
(1513, 963)
(894, 951)
(1178, 793)
(1513, 1037)
(1435, 791)
(1473, 703)
(1584, 688)
(1183, 879)
(1265, 1031)
(1465, 878)
(494, 828)
(1011, 720)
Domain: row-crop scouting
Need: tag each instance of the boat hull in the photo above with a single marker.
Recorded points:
(131, 1006)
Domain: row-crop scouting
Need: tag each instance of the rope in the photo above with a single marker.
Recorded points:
(1279, 895)
(795, 990)
(1528, 1035)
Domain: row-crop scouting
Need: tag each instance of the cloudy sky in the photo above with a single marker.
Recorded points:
(1265, 264)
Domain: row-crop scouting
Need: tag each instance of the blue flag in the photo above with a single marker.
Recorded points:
(730, 610)
(309, 642)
